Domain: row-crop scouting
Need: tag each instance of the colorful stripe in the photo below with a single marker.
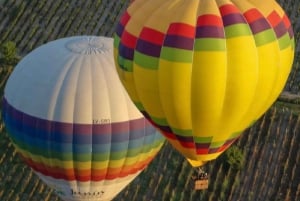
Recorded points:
(46, 145)
(88, 174)
(202, 145)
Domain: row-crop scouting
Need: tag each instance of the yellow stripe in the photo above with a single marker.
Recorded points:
(208, 91)
(87, 165)
(146, 83)
(268, 56)
(242, 78)
(175, 93)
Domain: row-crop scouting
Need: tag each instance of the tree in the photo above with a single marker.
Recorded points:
(8, 53)
(234, 158)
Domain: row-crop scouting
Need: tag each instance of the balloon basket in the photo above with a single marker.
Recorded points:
(201, 184)
(201, 180)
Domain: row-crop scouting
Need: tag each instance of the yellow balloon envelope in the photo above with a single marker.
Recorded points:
(203, 70)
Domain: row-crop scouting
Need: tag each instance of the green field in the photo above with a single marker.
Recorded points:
(271, 146)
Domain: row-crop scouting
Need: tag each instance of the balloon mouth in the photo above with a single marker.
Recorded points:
(88, 45)
(196, 163)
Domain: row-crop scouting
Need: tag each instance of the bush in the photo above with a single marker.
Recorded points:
(8, 53)
(234, 158)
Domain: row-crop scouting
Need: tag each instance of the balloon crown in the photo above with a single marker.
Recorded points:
(88, 45)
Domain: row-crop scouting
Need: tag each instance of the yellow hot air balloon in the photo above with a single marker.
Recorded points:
(203, 70)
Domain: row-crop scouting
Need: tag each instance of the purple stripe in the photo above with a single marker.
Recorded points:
(202, 145)
(184, 138)
(21, 123)
(291, 32)
(148, 48)
(229, 142)
(119, 30)
(280, 29)
(234, 18)
(210, 32)
(181, 42)
(213, 150)
(259, 26)
(126, 52)
(165, 129)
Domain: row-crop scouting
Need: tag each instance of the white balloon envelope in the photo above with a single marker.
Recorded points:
(73, 123)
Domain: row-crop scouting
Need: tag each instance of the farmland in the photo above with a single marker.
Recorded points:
(270, 147)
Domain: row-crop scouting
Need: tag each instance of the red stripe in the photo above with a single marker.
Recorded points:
(125, 18)
(286, 21)
(209, 20)
(168, 135)
(189, 145)
(229, 9)
(152, 36)
(201, 151)
(252, 15)
(88, 174)
(274, 19)
(182, 30)
(128, 39)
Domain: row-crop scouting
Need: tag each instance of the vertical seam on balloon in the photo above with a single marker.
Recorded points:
(225, 69)
(257, 68)
(279, 59)
(91, 124)
(142, 146)
(276, 77)
(129, 131)
(110, 124)
(69, 64)
(73, 129)
(191, 98)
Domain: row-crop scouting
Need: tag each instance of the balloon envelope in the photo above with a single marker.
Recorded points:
(203, 71)
(72, 121)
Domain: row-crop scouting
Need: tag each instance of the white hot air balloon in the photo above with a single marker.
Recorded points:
(73, 123)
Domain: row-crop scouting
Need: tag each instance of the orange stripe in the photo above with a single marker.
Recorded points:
(87, 174)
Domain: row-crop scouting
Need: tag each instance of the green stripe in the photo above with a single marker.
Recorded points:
(203, 140)
(159, 121)
(64, 156)
(181, 132)
(116, 41)
(216, 144)
(235, 135)
(210, 44)
(177, 55)
(285, 41)
(146, 61)
(237, 30)
(292, 43)
(264, 37)
(125, 64)
(140, 106)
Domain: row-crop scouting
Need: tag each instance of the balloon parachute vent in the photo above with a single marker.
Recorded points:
(88, 45)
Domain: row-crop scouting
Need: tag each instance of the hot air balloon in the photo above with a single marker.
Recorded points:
(72, 121)
(203, 71)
